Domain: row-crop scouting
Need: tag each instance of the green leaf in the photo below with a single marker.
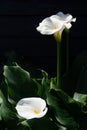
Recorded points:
(57, 103)
(41, 85)
(41, 124)
(76, 80)
(19, 82)
(76, 109)
(7, 111)
(80, 98)
(62, 115)
(53, 84)
(62, 128)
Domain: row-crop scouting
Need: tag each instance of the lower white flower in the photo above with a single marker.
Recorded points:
(30, 108)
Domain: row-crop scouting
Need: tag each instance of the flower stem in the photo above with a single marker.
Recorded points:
(58, 37)
(67, 51)
(59, 64)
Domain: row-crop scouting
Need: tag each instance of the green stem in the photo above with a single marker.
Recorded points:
(67, 51)
(58, 37)
(59, 64)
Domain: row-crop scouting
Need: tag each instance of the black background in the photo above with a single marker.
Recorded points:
(18, 22)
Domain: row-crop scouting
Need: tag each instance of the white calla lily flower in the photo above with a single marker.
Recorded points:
(50, 25)
(55, 24)
(66, 19)
(30, 108)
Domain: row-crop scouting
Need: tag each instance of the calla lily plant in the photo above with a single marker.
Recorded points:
(33, 101)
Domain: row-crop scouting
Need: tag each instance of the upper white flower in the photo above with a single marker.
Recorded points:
(66, 19)
(50, 25)
(55, 24)
(29, 108)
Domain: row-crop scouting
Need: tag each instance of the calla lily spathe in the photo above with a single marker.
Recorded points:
(50, 25)
(66, 19)
(55, 24)
(30, 108)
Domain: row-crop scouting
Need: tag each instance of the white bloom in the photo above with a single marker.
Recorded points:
(55, 24)
(29, 108)
(66, 19)
(50, 25)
